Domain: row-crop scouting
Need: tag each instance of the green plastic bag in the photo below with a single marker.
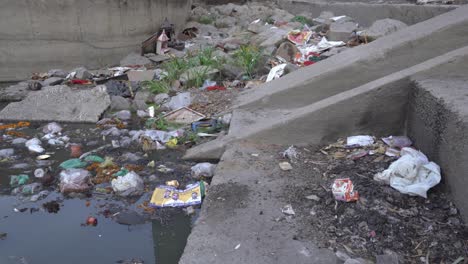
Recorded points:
(21, 179)
(73, 164)
(94, 158)
(121, 172)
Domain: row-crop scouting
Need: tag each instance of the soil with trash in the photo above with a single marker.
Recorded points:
(377, 222)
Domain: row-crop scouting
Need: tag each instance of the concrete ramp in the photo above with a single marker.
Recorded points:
(359, 90)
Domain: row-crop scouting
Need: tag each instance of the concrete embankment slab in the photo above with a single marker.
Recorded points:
(59, 103)
(241, 219)
(438, 124)
(378, 107)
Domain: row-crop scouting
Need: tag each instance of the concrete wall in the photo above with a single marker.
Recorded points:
(37, 35)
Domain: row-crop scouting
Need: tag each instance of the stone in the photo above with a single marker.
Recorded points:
(231, 46)
(57, 73)
(119, 103)
(192, 73)
(325, 17)
(142, 113)
(139, 105)
(342, 256)
(123, 115)
(157, 58)
(353, 261)
(134, 59)
(334, 51)
(179, 101)
(60, 103)
(34, 85)
(389, 257)
(161, 98)
(274, 37)
(6, 153)
(129, 218)
(231, 71)
(257, 28)
(14, 93)
(225, 22)
(290, 68)
(52, 81)
(82, 73)
(120, 88)
(280, 15)
(285, 166)
(146, 96)
(341, 31)
(384, 27)
(139, 76)
(18, 141)
(287, 51)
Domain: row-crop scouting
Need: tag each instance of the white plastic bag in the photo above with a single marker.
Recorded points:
(360, 141)
(204, 169)
(74, 180)
(411, 174)
(276, 72)
(129, 185)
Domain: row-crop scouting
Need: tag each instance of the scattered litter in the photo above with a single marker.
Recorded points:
(299, 37)
(313, 197)
(276, 72)
(206, 135)
(183, 115)
(39, 173)
(204, 125)
(52, 128)
(359, 141)
(392, 152)
(94, 158)
(285, 166)
(168, 196)
(151, 164)
(237, 247)
(291, 153)
(91, 221)
(411, 174)
(287, 209)
(173, 183)
(204, 169)
(43, 157)
(343, 190)
(357, 154)
(172, 143)
(164, 169)
(398, 141)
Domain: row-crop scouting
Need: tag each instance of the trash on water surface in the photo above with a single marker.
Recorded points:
(74, 180)
(92, 221)
(203, 169)
(21, 179)
(343, 190)
(129, 185)
(411, 174)
(168, 196)
(73, 164)
(184, 115)
(359, 141)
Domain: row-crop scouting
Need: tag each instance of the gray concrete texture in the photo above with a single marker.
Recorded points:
(36, 36)
(60, 103)
(237, 221)
(438, 124)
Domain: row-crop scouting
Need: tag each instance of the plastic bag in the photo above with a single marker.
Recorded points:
(28, 189)
(412, 174)
(73, 164)
(94, 158)
(359, 141)
(129, 185)
(74, 180)
(52, 128)
(398, 141)
(34, 145)
(16, 180)
(204, 169)
(179, 101)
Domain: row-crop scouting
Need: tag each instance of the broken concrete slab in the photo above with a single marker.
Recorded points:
(384, 27)
(82, 73)
(13, 93)
(139, 76)
(133, 59)
(59, 103)
(52, 81)
(194, 72)
(341, 31)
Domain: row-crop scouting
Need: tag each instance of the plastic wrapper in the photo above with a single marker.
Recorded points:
(398, 141)
(74, 180)
(73, 164)
(168, 196)
(359, 141)
(204, 169)
(343, 190)
(276, 72)
(21, 179)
